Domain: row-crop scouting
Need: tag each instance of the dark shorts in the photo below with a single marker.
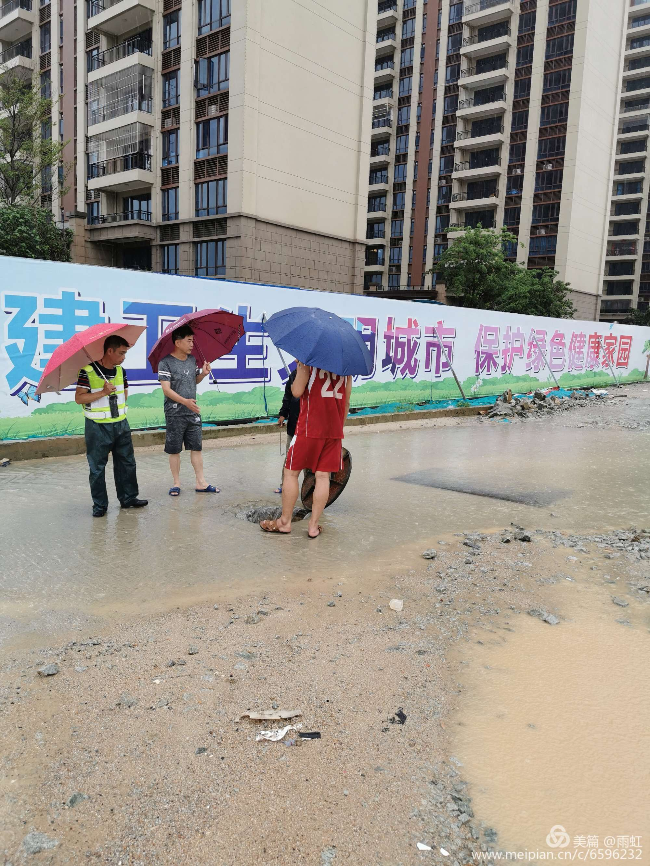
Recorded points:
(183, 430)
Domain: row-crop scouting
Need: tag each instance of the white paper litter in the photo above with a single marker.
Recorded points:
(277, 733)
(423, 847)
(272, 714)
(446, 853)
(396, 604)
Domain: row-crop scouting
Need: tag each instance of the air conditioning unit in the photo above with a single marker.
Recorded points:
(212, 110)
(541, 231)
(167, 122)
(518, 171)
(548, 166)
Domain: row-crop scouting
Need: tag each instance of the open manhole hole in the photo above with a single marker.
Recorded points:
(507, 492)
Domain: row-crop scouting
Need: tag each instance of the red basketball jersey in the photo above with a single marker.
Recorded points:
(322, 406)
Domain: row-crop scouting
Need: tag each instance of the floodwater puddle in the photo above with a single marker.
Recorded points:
(553, 728)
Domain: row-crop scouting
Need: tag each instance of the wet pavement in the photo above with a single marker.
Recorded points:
(62, 569)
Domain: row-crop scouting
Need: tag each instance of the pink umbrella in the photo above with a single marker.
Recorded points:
(68, 358)
(215, 334)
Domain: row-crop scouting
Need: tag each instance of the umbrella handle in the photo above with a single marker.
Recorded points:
(210, 374)
(284, 363)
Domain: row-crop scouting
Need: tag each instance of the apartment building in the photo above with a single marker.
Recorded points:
(493, 112)
(215, 138)
(626, 282)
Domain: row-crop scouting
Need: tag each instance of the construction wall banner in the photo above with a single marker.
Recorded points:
(412, 344)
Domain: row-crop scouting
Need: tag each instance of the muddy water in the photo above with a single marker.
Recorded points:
(61, 567)
(554, 728)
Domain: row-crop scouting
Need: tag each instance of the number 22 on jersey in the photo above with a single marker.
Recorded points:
(331, 388)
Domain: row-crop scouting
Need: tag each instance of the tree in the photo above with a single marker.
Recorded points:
(31, 232)
(639, 317)
(477, 274)
(27, 151)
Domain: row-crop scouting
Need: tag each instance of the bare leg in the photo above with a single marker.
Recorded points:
(175, 466)
(289, 498)
(196, 458)
(321, 493)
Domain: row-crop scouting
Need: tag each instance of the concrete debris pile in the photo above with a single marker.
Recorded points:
(508, 405)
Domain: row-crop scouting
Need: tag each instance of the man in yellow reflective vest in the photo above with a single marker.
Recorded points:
(102, 390)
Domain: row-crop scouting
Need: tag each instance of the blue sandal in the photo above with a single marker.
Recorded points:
(209, 489)
(174, 491)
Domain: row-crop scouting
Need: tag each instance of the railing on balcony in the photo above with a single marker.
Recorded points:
(622, 249)
(486, 36)
(490, 67)
(118, 108)
(381, 121)
(15, 4)
(464, 196)
(135, 45)
(102, 219)
(386, 6)
(94, 7)
(120, 163)
(23, 49)
(482, 5)
(491, 100)
(385, 63)
(467, 165)
(479, 132)
(385, 35)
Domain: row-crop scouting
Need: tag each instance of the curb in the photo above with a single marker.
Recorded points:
(67, 446)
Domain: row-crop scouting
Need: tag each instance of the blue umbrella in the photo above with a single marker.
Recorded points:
(320, 339)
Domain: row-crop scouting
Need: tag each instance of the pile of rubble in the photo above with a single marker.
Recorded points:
(508, 405)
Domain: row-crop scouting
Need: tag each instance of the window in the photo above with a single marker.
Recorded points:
(557, 81)
(383, 91)
(170, 204)
(512, 216)
(527, 22)
(60, 127)
(170, 95)
(484, 158)
(46, 85)
(212, 137)
(212, 74)
(624, 287)
(452, 73)
(399, 201)
(635, 104)
(405, 85)
(211, 197)
(551, 114)
(385, 35)
(92, 213)
(626, 228)
(375, 256)
(546, 213)
(170, 259)
(60, 78)
(492, 31)
(489, 126)
(60, 30)
(559, 47)
(639, 42)
(517, 152)
(634, 167)
(46, 38)
(455, 13)
(376, 230)
(137, 207)
(489, 64)
(384, 63)
(562, 12)
(46, 130)
(421, 85)
(481, 189)
(515, 184)
(170, 147)
(442, 223)
(213, 14)
(484, 218)
(522, 88)
(172, 29)
(631, 187)
(627, 207)
(402, 144)
(378, 175)
(639, 63)
(400, 173)
(488, 95)
(520, 119)
(415, 170)
(408, 28)
(393, 281)
(549, 180)
(395, 256)
(449, 134)
(444, 194)
(376, 203)
(424, 23)
(621, 269)
(451, 104)
(549, 147)
(637, 84)
(380, 148)
(404, 115)
(446, 164)
(409, 4)
(454, 43)
(525, 55)
(397, 228)
(211, 259)
(406, 57)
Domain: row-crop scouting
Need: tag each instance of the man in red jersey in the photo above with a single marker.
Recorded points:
(317, 445)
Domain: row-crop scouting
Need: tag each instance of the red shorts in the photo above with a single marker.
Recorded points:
(319, 455)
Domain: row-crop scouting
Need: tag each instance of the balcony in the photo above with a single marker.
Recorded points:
(386, 14)
(472, 110)
(629, 170)
(643, 30)
(621, 251)
(474, 46)
(18, 60)
(122, 228)
(384, 70)
(16, 20)
(461, 200)
(478, 139)
(386, 43)
(121, 16)
(487, 12)
(631, 130)
(474, 78)
(465, 170)
(117, 111)
(122, 173)
(138, 49)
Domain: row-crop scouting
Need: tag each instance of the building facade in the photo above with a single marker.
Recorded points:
(626, 282)
(207, 137)
(493, 112)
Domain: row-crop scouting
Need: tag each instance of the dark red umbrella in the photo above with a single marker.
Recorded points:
(215, 334)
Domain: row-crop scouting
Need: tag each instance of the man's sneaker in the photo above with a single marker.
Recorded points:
(135, 503)
(99, 512)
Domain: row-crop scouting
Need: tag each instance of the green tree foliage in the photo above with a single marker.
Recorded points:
(27, 150)
(639, 317)
(30, 232)
(477, 274)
